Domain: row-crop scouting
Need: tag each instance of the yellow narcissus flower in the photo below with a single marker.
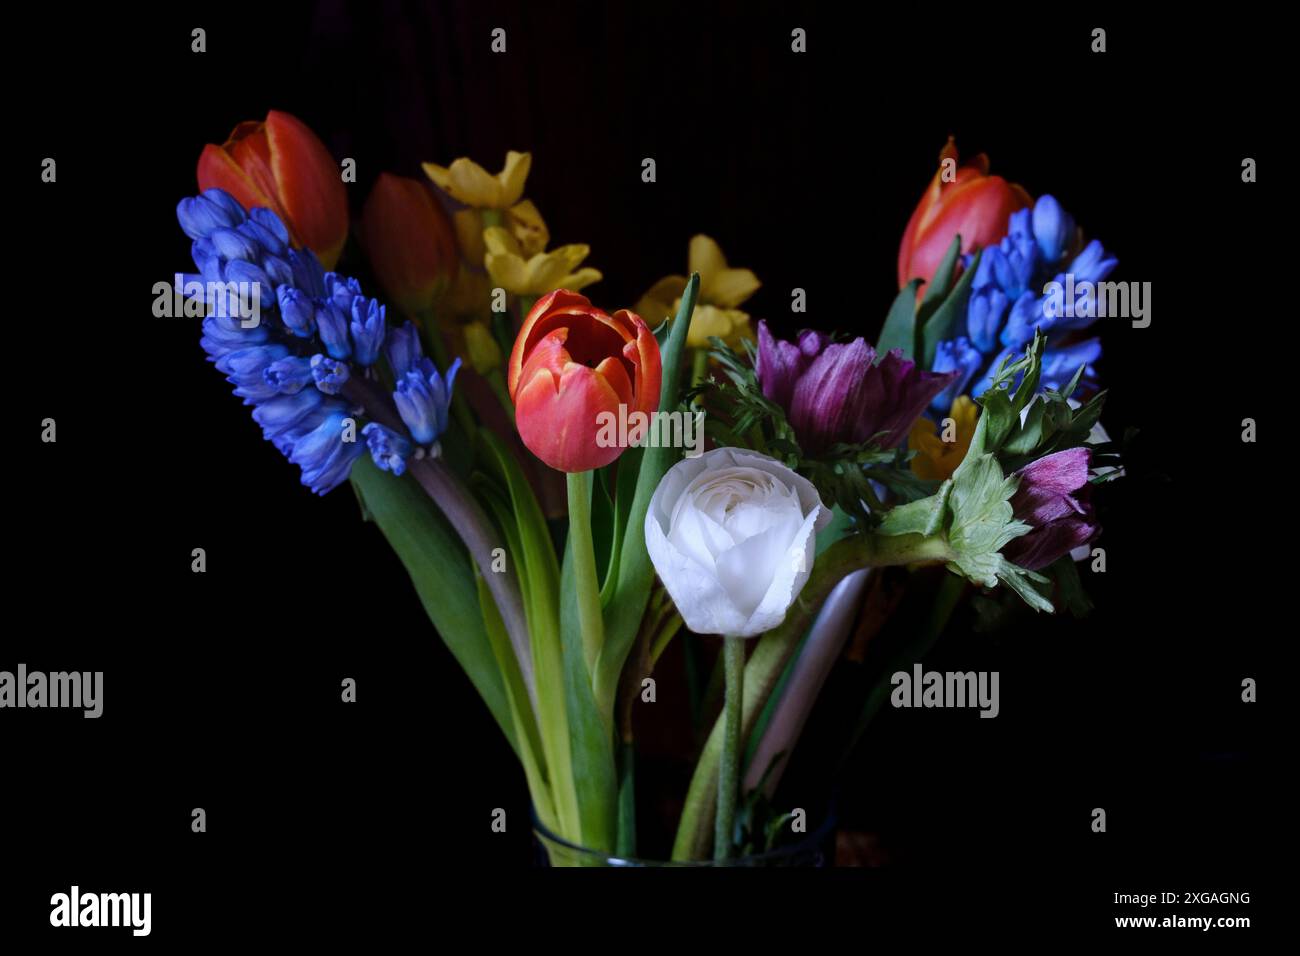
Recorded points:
(730, 325)
(469, 183)
(511, 268)
(937, 459)
(522, 220)
(722, 289)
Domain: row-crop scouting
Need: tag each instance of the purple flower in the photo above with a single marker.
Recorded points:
(1052, 499)
(781, 363)
(835, 392)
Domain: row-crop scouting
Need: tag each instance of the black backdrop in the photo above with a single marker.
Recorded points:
(222, 689)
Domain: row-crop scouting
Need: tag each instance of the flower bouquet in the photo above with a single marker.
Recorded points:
(714, 481)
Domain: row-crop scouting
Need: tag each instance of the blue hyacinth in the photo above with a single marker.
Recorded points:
(321, 332)
(1007, 303)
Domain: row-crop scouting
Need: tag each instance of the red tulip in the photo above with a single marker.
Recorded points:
(410, 242)
(974, 205)
(571, 363)
(280, 164)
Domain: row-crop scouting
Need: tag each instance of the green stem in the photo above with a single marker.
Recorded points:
(699, 367)
(772, 653)
(584, 566)
(733, 651)
(626, 845)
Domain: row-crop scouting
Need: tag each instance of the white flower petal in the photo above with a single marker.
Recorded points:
(732, 535)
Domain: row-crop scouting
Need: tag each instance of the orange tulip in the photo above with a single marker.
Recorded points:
(281, 164)
(410, 242)
(974, 205)
(572, 363)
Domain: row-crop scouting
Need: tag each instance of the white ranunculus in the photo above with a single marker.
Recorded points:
(732, 535)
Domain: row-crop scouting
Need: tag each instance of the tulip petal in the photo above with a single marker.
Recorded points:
(558, 421)
(310, 187)
(217, 170)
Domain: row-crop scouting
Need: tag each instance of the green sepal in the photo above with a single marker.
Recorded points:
(899, 331)
(946, 319)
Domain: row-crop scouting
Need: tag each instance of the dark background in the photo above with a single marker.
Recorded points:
(222, 689)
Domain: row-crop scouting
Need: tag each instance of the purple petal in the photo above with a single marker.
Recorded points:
(896, 395)
(779, 366)
(827, 400)
(1062, 472)
(1042, 546)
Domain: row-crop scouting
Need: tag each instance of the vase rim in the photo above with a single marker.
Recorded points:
(810, 839)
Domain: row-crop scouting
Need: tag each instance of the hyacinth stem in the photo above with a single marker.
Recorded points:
(772, 653)
(466, 517)
(733, 652)
(584, 565)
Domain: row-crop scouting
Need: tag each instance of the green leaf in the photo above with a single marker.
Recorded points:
(626, 468)
(918, 517)
(944, 320)
(521, 706)
(899, 331)
(938, 289)
(443, 576)
(539, 580)
(635, 572)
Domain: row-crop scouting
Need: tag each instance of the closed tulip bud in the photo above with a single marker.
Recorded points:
(410, 242)
(570, 364)
(484, 353)
(973, 204)
(279, 164)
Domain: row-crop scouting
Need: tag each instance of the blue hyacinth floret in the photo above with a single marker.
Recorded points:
(1007, 304)
(312, 331)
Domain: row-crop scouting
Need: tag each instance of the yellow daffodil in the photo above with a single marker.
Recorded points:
(730, 325)
(937, 459)
(512, 269)
(469, 183)
(522, 220)
(722, 289)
